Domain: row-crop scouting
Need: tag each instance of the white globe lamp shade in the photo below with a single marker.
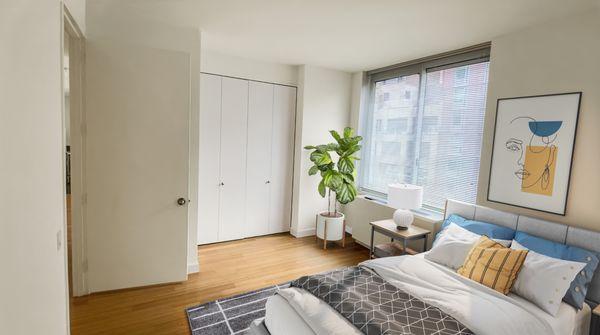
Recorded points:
(404, 197)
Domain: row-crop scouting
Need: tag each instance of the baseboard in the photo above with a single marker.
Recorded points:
(303, 233)
(193, 268)
(311, 232)
(362, 244)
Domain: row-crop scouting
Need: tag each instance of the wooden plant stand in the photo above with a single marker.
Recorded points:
(325, 233)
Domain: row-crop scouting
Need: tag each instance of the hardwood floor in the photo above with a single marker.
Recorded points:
(225, 269)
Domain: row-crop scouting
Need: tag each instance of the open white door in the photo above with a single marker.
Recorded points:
(138, 105)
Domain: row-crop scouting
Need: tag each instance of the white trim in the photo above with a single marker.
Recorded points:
(302, 233)
(362, 244)
(193, 268)
(311, 231)
(79, 262)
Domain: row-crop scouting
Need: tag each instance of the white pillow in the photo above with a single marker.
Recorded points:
(453, 245)
(544, 280)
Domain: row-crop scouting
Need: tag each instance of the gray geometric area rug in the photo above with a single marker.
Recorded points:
(233, 315)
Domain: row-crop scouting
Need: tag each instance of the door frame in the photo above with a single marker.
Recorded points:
(71, 30)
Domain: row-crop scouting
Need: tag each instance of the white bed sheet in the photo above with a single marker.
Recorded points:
(282, 318)
(483, 310)
(583, 320)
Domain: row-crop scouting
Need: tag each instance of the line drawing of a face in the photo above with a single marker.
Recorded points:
(516, 145)
(547, 151)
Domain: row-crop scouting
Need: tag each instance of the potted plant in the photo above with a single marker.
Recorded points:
(337, 178)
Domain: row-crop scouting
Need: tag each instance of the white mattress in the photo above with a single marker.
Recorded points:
(297, 312)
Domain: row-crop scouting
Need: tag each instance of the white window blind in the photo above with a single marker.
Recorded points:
(425, 128)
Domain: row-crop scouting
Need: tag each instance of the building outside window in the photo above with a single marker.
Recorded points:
(425, 126)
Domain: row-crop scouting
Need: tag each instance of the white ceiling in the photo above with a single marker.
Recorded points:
(348, 35)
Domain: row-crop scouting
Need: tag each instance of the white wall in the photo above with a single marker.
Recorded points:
(226, 65)
(555, 57)
(359, 89)
(32, 213)
(107, 21)
(323, 104)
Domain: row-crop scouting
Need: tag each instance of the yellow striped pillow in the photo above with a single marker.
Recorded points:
(493, 265)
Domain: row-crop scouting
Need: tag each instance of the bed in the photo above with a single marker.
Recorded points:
(295, 311)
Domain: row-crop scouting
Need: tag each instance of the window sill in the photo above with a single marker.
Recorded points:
(424, 214)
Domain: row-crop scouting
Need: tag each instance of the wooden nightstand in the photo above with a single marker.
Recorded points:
(388, 228)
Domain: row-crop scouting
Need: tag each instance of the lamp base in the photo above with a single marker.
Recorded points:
(403, 218)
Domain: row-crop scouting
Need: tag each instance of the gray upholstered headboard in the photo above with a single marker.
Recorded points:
(553, 231)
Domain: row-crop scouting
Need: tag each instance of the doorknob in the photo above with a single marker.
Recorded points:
(181, 201)
(267, 182)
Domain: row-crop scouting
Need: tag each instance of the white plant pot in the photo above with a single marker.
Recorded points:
(335, 226)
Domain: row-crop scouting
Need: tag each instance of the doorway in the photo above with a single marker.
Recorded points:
(74, 142)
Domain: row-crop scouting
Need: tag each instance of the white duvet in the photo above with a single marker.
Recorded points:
(481, 309)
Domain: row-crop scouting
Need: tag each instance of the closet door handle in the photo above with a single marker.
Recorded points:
(222, 184)
(267, 182)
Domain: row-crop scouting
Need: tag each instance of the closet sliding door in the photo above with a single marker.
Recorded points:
(246, 158)
(234, 120)
(209, 167)
(282, 158)
(260, 117)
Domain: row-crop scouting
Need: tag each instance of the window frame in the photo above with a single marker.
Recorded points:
(474, 55)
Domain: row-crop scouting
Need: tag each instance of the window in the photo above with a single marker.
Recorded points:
(398, 125)
(428, 128)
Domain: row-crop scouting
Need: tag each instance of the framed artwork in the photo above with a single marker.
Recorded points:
(532, 153)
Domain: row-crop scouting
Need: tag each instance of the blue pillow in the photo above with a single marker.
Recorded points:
(481, 228)
(575, 296)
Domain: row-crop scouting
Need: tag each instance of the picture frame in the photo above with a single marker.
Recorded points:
(532, 151)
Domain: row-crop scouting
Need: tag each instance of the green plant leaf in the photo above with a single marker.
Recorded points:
(345, 165)
(349, 152)
(321, 189)
(336, 181)
(326, 167)
(348, 132)
(342, 195)
(313, 170)
(335, 135)
(310, 147)
(320, 158)
(322, 148)
(348, 178)
(332, 179)
(327, 174)
(346, 193)
(353, 191)
(333, 147)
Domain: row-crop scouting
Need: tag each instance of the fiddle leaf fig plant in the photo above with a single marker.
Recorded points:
(337, 177)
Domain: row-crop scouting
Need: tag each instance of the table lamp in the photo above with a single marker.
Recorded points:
(404, 197)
